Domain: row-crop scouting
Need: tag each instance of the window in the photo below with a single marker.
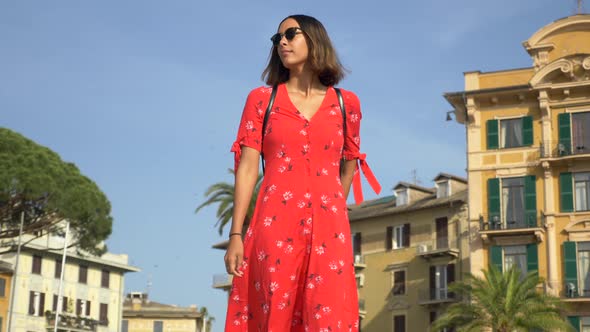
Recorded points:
(103, 317)
(360, 280)
(57, 268)
(36, 264)
(105, 279)
(83, 274)
(515, 256)
(158, 326)
(82, 308)
(401, 197)
(401, 236)
(582, 191)
(125, 326)
(511, 133)
(36, 303)
(356, 243)
(389, 238)
(399, 323)
(580, 130)
(442, 189)
(399, 282)
(2, 287)
(584, 268)
(585, 324)
(513, 202)
(440, 278)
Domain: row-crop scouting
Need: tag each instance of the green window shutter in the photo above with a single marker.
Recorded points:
(575, 321)
(530, 201)
(493, 201)
(527, 130)
(565, 133)
(496, 257)
(492, 131)
(532, 258)
(566, 192)
(569, 262)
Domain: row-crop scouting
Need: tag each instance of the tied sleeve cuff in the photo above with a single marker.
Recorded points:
(236, 148)
(356, 180)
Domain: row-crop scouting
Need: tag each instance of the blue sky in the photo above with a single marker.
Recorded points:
(145, 97)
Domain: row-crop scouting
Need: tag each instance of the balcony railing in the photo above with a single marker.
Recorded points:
(572, 292)
(435, 248)
(495, 222)
(435, 295)
(359, 261)
(562, 149)
(496, 225)
(68, 321)
(222, 280)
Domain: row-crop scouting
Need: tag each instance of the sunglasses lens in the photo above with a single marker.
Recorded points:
(290, 33)
(276, 38)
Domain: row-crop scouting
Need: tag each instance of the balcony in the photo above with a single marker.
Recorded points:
(435, 296)
(222, 281)
(438, 248)
(359, 262)
(496, 226)
(572, 293)
(69, 322)
(362, 310)
(564, 151)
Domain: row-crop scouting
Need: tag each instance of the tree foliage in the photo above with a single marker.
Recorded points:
(222, 193)
(503, 302)
(35, 181)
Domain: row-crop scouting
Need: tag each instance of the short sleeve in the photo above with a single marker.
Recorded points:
(352, 139)
(250, 128)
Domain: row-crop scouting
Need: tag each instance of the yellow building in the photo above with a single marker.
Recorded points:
(6, 271)
(92, 288)
(407, 249)
(528, 146)
(143, 315)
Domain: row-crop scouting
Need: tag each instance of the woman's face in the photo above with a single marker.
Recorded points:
(293, 53)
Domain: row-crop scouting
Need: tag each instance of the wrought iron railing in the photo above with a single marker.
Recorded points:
(496, 222)
(68, 321)
(436, 294)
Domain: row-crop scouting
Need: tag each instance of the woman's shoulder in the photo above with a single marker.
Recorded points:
(260, 92)
(350, 98)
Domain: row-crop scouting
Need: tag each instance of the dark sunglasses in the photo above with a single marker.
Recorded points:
(289, 34)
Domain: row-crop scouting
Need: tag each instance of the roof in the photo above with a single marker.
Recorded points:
(450, 176)
(358, 212)
(153, 309)
(86, 259)
(414, 186)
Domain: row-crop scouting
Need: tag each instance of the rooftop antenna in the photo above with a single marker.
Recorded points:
(149, 285)
(415, 177)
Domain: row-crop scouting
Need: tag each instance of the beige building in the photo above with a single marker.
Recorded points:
(92, 288)
(140, 314)
(408, 248)
(528, 146)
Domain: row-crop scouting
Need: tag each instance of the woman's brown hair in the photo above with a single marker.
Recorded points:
(322, 55)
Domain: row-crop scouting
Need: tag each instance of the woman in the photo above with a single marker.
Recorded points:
(294, 271)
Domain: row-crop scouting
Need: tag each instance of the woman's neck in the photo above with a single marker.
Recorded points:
(303, 82)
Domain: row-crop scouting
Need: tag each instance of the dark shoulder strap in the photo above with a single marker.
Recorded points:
(343, 109)
(271, 101)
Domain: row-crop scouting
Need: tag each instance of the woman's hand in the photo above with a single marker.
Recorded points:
(234, 256)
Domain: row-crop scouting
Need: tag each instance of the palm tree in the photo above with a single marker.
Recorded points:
(222, 193)
(503, 302)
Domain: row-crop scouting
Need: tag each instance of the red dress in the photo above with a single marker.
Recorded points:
(298, 268)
